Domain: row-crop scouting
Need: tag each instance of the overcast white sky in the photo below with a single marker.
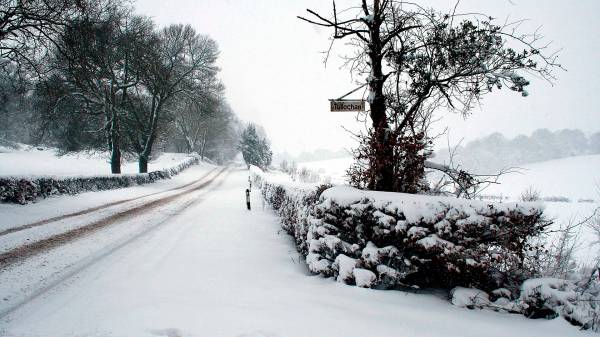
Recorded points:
(275, 76)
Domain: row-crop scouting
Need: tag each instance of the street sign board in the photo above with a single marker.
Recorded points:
(347, 104)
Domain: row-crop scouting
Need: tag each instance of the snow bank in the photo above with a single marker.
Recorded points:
(469, 298)
(26, 189)
(541, 298)
(550, 297)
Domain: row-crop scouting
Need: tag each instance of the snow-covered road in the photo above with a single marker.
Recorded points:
(205, 266)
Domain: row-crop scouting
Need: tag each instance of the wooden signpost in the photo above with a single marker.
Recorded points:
(347, 104)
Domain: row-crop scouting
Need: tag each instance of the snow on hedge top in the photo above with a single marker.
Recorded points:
(416, 207)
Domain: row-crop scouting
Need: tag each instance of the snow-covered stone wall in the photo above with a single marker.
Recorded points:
(26, 189)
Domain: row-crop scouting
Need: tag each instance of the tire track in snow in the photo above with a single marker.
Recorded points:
(103, 253)
(97, 208)
(22, 252)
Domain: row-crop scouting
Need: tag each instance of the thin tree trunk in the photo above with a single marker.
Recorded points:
(203, 145)
(113, 133)
(190, 145)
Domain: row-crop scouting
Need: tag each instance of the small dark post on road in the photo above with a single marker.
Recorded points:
(248, 198)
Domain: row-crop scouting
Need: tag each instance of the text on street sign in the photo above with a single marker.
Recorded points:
(347, 105)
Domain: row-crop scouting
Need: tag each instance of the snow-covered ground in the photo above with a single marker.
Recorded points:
(216, 269)
(29, 160)
(18, 282)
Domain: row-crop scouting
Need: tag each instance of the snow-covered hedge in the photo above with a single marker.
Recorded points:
(389, 240)
(26, 189)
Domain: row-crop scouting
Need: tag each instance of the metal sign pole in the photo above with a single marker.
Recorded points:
(248, 198)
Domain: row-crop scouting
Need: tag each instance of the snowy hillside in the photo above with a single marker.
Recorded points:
(27, 160)
(572, 177)
(495, 152)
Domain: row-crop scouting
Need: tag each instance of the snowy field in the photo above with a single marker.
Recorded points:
(28, 161)
(575, 178)
(215, 269)
(333, 170)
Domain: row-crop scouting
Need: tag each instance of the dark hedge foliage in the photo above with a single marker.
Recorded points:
(23, 190)
(486, 247)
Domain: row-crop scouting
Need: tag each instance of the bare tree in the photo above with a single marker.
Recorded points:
(219, 134)
(461, 183)
(417, 61)
(197, 111)
(180, 61)
(100, 61)
(29, 29)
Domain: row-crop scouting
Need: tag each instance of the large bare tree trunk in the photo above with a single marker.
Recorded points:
(143, 164)
(383, 177)
(115, 159)
(145, 155)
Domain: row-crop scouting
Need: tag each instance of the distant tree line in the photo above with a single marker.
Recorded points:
(496, 152)
(96, 76)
